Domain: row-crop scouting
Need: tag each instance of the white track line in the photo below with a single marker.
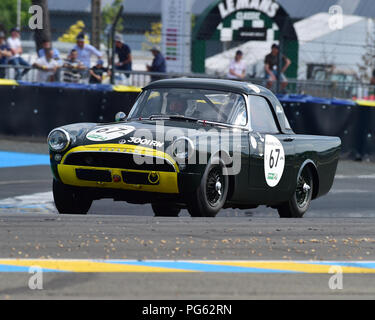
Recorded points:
(23, 182)
(369, 176)
(43, 201)
(350, 191)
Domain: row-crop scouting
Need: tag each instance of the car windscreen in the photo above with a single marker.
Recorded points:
(207, 105)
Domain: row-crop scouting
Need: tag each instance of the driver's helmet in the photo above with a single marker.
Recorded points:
(176, 105)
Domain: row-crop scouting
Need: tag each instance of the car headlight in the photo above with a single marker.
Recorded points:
(58, 140)
(183, 149)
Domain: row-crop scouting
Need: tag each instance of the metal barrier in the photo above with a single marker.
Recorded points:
(324, 89)
(332, 89)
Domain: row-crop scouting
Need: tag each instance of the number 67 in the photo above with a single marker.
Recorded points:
(272, 159)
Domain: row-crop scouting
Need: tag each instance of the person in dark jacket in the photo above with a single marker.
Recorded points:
(124, 55)
(158, 64)
(272, 68)
(97, 73)
(5, 54)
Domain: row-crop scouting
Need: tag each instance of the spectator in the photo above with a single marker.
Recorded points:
(124, 55)
(5, 53)
(158, 64)
(73, 68)
(46, 44)
(237, 69)
(372, 81)
(272, 68)
(15, 46)
(47, 66)
(85, 51)
(97, 72)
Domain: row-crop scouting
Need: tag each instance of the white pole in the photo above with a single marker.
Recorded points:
(19, 14)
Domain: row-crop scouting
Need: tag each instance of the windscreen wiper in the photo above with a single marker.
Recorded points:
(173, 117)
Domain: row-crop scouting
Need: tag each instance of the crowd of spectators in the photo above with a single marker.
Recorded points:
(11, 53)
(76, 67)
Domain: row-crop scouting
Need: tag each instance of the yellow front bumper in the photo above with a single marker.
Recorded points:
(167, 180)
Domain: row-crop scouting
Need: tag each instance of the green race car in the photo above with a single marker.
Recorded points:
(199, 144)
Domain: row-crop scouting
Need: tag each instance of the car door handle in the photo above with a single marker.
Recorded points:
(288, 140)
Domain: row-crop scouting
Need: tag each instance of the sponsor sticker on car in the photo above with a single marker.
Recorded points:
(109, 133)
(274, 160)
(146, 142)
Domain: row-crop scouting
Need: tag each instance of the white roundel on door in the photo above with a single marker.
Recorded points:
(109, 133)
(274, 160)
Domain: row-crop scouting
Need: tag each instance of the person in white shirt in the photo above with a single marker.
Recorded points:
(237, 68)
(85, 51)
(47, 67)
(15, 46)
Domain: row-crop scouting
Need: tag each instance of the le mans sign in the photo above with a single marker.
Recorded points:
(239, 21)
(268, 7)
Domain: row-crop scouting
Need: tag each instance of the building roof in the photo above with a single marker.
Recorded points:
(69, 5)
(130, 6)
(297, 9)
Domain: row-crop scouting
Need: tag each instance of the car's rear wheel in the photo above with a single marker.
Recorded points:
(297, 206)
(210, 196)
(165, 210)
(70, 200)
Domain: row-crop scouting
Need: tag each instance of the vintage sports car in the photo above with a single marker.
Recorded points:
(199, 144)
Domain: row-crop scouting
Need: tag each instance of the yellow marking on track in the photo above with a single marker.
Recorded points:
(132, 266)
(303, 267)
(88, 266)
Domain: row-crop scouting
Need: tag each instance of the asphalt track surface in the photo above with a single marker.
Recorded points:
(338, 227)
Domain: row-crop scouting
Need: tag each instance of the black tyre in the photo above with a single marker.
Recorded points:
(165, 210)
(212, 193)
(70, 200)
(300, 202)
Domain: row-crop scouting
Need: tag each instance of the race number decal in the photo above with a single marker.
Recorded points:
(274, 160)
(109, 133)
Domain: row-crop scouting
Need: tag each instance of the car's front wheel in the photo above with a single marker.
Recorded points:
(210, 196)
(165, 210)
(69, 200)
(297, 206)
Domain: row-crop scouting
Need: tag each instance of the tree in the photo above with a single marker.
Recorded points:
(109, 14)
(45, 32)
(8, 14)
(96, 22)
(74, 30)
(368, 58)
(153, 37)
